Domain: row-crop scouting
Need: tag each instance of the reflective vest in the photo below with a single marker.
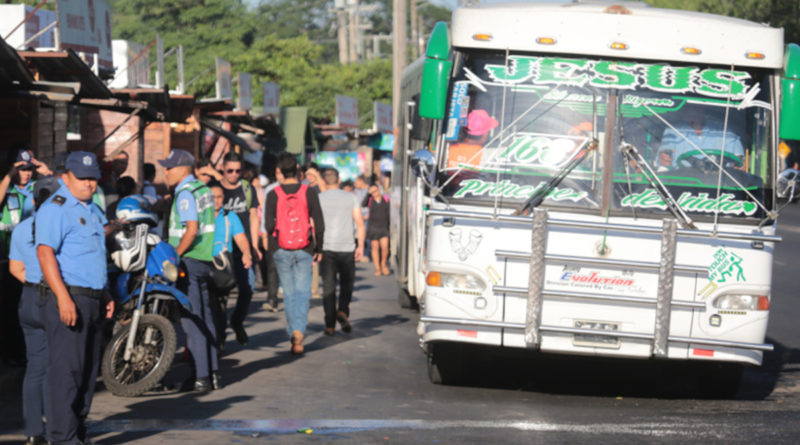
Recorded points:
(12, 214)
(203, 243)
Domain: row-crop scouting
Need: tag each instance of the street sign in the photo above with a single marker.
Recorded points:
(224, 86)
(244, 100)
(271, 98)
(346, 111)
(85, 27)
(383, 117)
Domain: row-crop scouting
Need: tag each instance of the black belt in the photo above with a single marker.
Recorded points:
(78, 290)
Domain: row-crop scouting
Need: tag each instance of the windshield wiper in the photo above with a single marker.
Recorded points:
(541, 193)
(632, 154)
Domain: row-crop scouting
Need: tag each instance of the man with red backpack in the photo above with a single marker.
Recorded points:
(293, 218)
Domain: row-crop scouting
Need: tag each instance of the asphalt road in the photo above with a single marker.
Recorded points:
(371, 386)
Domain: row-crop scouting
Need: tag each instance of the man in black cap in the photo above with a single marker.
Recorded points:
(70, 245)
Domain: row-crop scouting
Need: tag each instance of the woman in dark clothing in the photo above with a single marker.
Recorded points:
(378, 228)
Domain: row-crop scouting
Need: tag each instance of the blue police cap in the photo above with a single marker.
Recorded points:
(178, 158)
(48, 183)
(83, 165)
(24, 155)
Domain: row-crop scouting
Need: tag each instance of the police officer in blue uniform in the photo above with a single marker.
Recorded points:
(70, 245)
(24, 266)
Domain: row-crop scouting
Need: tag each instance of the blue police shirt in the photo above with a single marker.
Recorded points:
(187, 207)
(23, 249)
(75, 231)
(235, 228)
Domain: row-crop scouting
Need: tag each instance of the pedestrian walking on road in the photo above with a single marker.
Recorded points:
(269, 274)
(70, 245)
(342, 214)
(191, 232)
(241, 199)
(378, 228)
(228, 229)
(291, 208)
(24, 266)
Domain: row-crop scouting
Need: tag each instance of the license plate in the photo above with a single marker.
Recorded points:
(594, 340)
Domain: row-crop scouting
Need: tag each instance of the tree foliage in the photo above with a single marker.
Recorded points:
(778, 13)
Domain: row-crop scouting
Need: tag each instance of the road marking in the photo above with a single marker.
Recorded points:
(331, 426)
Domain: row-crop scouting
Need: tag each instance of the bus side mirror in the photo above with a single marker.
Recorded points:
(790, 86)
(436, 74)
(423, 163)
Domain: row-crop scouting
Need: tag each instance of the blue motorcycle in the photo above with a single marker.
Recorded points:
(143, 345)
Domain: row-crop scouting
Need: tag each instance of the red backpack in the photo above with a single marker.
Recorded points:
(292, 224)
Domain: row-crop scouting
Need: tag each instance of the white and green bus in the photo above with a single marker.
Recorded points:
(594, 179)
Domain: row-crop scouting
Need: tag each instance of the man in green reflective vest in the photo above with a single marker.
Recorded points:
(191, 232)
(16, 198)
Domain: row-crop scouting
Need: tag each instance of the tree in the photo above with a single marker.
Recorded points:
(778, 13)
(295, 64)
(205, 28)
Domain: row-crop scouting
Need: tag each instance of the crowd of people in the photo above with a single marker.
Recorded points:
(292, 223)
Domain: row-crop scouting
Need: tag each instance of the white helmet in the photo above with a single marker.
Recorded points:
(129, 248)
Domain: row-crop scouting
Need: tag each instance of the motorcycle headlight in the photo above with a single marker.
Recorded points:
(169, 271)
(742, 302)
(455, 281)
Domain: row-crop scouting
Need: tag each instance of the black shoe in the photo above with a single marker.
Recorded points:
(344, 321)
(241, 335)
(216, 380)
(36, 440)
(202, 385)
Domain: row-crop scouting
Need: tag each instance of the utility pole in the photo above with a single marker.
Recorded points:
(414, 31)
(399, 35)
(341, 31)
(354, 32)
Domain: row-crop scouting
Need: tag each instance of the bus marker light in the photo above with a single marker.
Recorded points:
(703, 352)
(691, 51)
(754, 55)
(466, 333)
(715, 320)
(482, 37)
(434, 279)
(763, 303)
(546, 41)
(619, 45)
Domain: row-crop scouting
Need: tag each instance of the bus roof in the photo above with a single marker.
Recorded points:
(590, 28)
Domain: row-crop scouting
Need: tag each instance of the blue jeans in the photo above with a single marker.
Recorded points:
(294, 271)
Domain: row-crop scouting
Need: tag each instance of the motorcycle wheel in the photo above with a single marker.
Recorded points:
(149, 362)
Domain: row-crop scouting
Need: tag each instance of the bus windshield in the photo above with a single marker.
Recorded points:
(700, 133)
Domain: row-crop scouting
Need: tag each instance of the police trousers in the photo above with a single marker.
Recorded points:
(73, 358)
(198, 325)
(34, 385)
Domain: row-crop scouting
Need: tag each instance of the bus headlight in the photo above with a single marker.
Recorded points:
(455, 281)
(742, 302)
